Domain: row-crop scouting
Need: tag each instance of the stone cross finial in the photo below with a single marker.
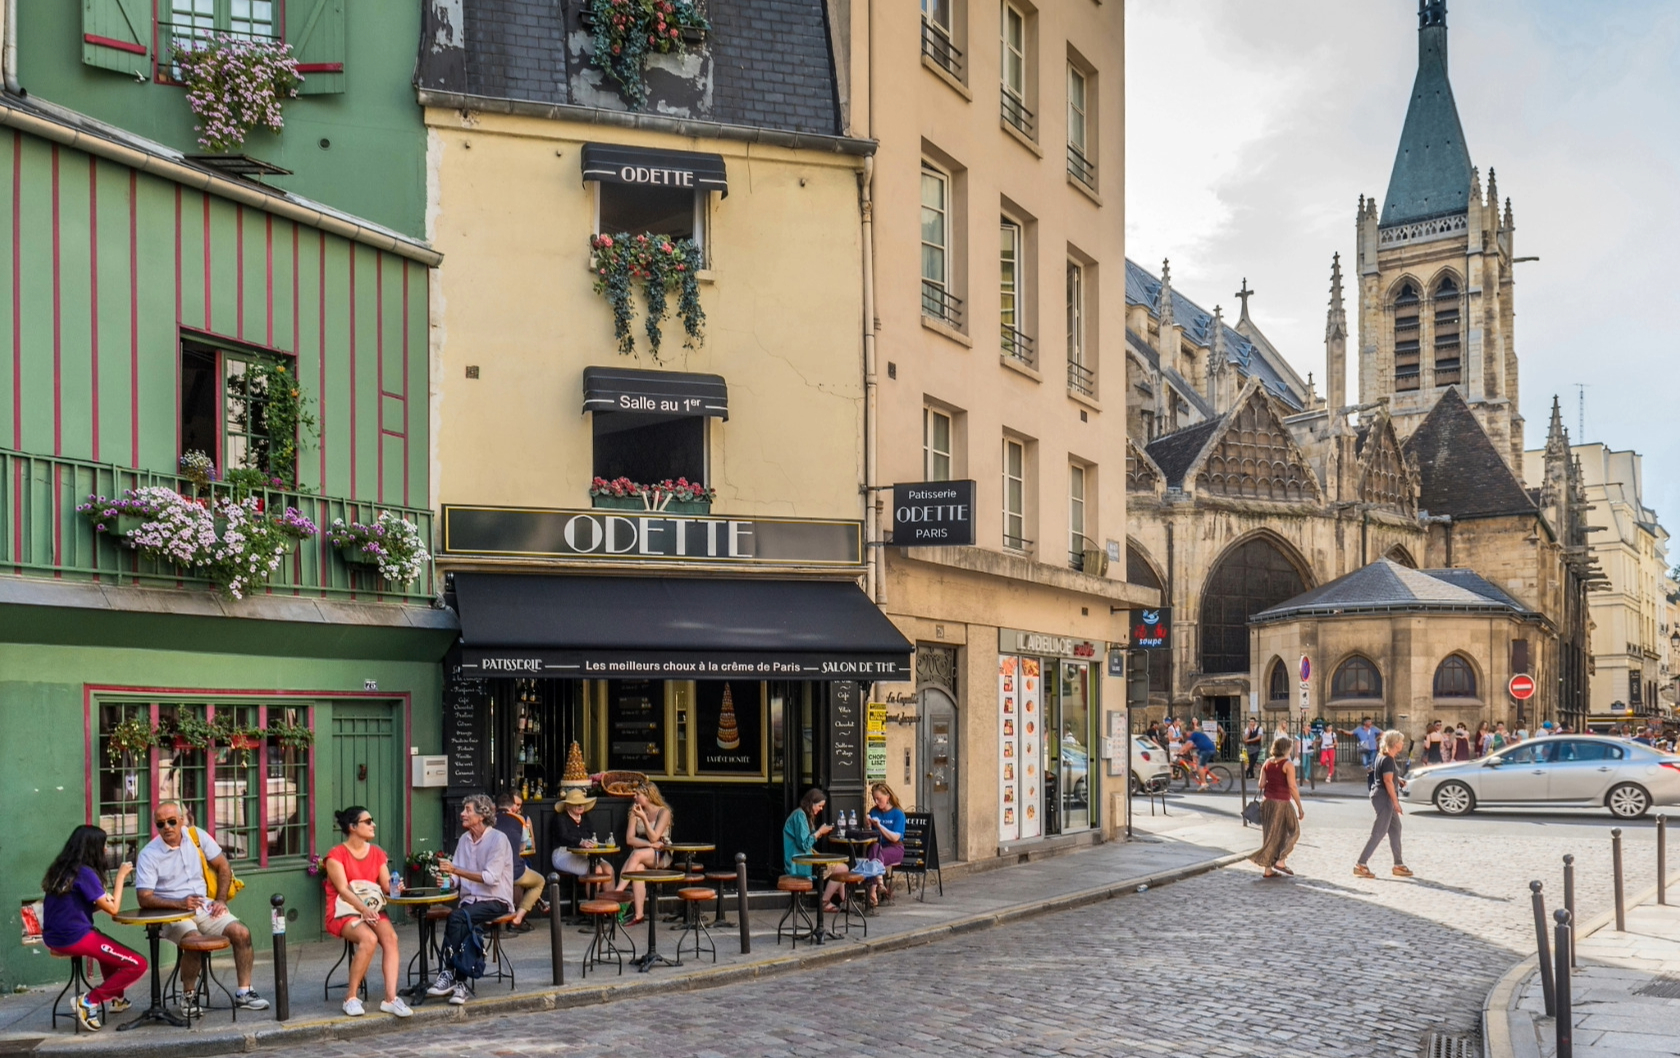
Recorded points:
(1243, 295)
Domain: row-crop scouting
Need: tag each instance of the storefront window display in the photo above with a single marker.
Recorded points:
(1047, 706)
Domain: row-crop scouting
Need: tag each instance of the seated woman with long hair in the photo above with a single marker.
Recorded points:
(800, 835)
(75, 890)
(887, 820)
(358, 859)
(647, 835)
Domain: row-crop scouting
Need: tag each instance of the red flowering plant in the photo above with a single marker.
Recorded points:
(654, 496)
(626, 31)
(662, 265)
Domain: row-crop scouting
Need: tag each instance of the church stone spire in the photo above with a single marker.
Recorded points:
(1431, 175)
(1165, 312)
(1216, 356)
(1557, 438)
(1335, 343)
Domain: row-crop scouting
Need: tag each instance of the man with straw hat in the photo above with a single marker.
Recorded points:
(571, 832)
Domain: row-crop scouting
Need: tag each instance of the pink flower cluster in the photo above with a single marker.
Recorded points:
(234, 85)
(624, 488)
(392, 541)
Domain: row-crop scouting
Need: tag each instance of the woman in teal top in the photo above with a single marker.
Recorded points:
(800, 835)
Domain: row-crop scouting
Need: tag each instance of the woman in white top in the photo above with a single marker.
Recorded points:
(1327, 752)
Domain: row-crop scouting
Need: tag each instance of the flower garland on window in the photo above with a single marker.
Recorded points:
(662, 265)
(393, 541)
(234, 85)
(627, 30)
(680, 489)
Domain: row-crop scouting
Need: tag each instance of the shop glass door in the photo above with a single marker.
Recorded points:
(1073, 723)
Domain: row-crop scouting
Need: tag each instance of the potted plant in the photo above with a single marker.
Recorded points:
(290, 735)
(670, 497)
(129, 739)
(234, 85)
(422, 868)
(392, 544)
(239, 740)
(189, 731)
(663, 266)
(627, 31)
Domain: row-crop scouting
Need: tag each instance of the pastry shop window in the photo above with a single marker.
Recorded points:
(729, 728)
(676, 729)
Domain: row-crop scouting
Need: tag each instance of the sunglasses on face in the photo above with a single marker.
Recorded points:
(368, 821)
(168, 823)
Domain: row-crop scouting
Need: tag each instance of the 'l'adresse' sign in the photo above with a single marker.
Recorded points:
(933, 514)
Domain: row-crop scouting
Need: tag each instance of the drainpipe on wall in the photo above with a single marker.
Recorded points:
(877, 552)
(8, 53)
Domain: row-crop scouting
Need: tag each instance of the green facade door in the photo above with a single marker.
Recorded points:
(367, 767)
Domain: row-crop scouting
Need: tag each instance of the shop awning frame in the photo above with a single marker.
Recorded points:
(643, 392)
(642, 166)
(581, 627)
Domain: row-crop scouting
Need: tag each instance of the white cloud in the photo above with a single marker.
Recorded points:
(1252, 129)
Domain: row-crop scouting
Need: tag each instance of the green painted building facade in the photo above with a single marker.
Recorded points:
(137, 292)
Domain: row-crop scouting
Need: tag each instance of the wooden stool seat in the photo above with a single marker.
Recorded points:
(793, 883)
(599, 907)
(696, 894)
(619, 896)
(439, 914)
(596, 879)
(502, 920)
(720, 876)
(200, 943)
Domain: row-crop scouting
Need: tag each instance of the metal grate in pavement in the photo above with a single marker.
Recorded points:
(1451, 1045)
(1664, 986)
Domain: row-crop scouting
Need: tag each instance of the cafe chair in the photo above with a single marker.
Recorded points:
(498, 958)
(587, 887)
(796, 920)
(76, 987)
(327, 986)
(694, 923)
(854, 900)
(717, 880)
(195, 1003)
(607, 935)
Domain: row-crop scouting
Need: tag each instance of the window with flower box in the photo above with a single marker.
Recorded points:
(225, 407)
(241, 767)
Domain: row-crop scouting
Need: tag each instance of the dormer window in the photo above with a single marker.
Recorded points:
(1407, 338)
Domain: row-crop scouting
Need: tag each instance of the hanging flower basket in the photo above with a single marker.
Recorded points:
(663, 266)
(130, 739)
(669, 497)
(235, 85)
(626, 32)
(392, 544)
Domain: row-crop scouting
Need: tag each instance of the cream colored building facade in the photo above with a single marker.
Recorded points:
(998, 322)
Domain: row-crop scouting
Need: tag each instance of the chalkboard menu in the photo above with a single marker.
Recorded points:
(636, 725)
(845, 721)
(466, 731)
(921, 850)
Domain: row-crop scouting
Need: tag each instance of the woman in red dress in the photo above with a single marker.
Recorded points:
(358, 859)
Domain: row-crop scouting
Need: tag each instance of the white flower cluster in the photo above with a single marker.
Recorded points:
(234, 85)
(393, 541)
(185, 532)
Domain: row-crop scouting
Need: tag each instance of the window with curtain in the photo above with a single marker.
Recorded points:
(1015, 495)
(936, 246)
(1015, 342)
(1081, 166)
(936, 445)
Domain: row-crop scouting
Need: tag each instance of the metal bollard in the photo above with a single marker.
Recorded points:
(1547, 984)
(1565, 1004)
(1569, 894)
(556, 929)
(741, 901)
(282, 989)
(1662, 859)
(1616, 866)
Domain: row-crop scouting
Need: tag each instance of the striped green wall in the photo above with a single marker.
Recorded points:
(103, 269)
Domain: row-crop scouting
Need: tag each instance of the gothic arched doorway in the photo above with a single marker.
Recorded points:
(1250, 577)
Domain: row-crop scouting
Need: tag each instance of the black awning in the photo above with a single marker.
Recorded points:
(654, 392)
(650, 168)
(671, 627)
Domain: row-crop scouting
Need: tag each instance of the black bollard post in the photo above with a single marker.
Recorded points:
(282, 989)
(1616, 866)
(741, 901)
(556, 929)
(1565, 1002)
(1569, 894)
(1547, 985)
(1662, 859)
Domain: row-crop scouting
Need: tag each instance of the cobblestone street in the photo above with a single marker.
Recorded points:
(1222, 964)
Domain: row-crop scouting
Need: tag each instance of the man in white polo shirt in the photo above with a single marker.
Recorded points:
(170, 876)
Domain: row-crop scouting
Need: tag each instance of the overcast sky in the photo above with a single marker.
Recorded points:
(1253, 127)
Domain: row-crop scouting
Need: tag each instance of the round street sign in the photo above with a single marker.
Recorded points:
(1306, 668)
(1522, 687)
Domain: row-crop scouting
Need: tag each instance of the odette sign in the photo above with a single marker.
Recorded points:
(1522, 687)
(933, 514)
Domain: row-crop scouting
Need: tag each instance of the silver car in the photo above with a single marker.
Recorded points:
(1571, 770)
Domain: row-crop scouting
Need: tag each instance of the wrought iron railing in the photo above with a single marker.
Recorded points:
(42, 533)
(1081, 379)
(936, 45)
(1017, 345)
(1016, 543)
(941, 304)
(1016, 113)
(1082, 168)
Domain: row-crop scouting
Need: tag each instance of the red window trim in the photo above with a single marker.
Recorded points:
(320, 67)
(119, 45)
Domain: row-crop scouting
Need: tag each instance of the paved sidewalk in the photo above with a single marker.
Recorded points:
(1168, 848)
(1615, 1010)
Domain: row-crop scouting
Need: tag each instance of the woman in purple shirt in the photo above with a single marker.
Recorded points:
(74, 890)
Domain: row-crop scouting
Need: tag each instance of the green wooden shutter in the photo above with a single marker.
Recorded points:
(315, 30)
(117, 35)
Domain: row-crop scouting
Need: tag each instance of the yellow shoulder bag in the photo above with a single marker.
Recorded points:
(209, 875)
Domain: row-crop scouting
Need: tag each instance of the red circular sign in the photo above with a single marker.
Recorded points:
(1522, 687)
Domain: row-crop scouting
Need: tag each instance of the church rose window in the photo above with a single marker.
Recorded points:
(1250, 578)
(1356, 678)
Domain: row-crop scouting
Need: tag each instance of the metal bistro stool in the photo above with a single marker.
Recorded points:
(794, 886)
(503, 964)
(80, 984)
(327, 986)
(717, 880)
(605, 915)
(853, 893)
(195, 1003)
(694, 923)
(432, 916)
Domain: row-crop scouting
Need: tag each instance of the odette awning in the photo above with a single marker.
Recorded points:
(644, 167)
(654, 392)
(674, 628)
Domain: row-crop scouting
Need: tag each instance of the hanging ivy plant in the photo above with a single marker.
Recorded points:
(287, 415)
(130, 738)
(662, 265)
(626, 31)
(290, 735)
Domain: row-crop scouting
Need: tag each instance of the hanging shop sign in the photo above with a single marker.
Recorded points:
(1152, 629)
(933, 514)
(1015, 641)
(679, 393)
(651, 536)
(614, 164)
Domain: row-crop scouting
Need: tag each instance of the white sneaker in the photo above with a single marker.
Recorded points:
(353, 1007)
(458, 997)
(397, 1008)
(444, 984)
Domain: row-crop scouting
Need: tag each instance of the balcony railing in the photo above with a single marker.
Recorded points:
(940, 304)
(1017, 345)
(41, 533)
(1016, 113)
(1081, 379)
(1081, 168)
(937, 46)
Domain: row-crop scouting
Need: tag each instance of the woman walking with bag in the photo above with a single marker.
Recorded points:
(1280, 810)
(1385, 797)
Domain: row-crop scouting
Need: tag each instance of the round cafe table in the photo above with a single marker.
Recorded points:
(651, 878)
(419, 901)
(857, 845)
(819, 859)
(154, 920)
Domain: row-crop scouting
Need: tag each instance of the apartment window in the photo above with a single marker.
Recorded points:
(1447, 343)
(1454, 678)
(632, 209)
(199, 19)
(1081, 379)
(224, 408)
(1015, 495)
(649, 449)
(1080, 165)
(937, 299)
(1011, 283)
(1077, 542)
(1407, 338)
(939, 36)
(1013, 31)
(936, 445)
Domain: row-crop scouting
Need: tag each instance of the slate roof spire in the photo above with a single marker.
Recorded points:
(1431, 174)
